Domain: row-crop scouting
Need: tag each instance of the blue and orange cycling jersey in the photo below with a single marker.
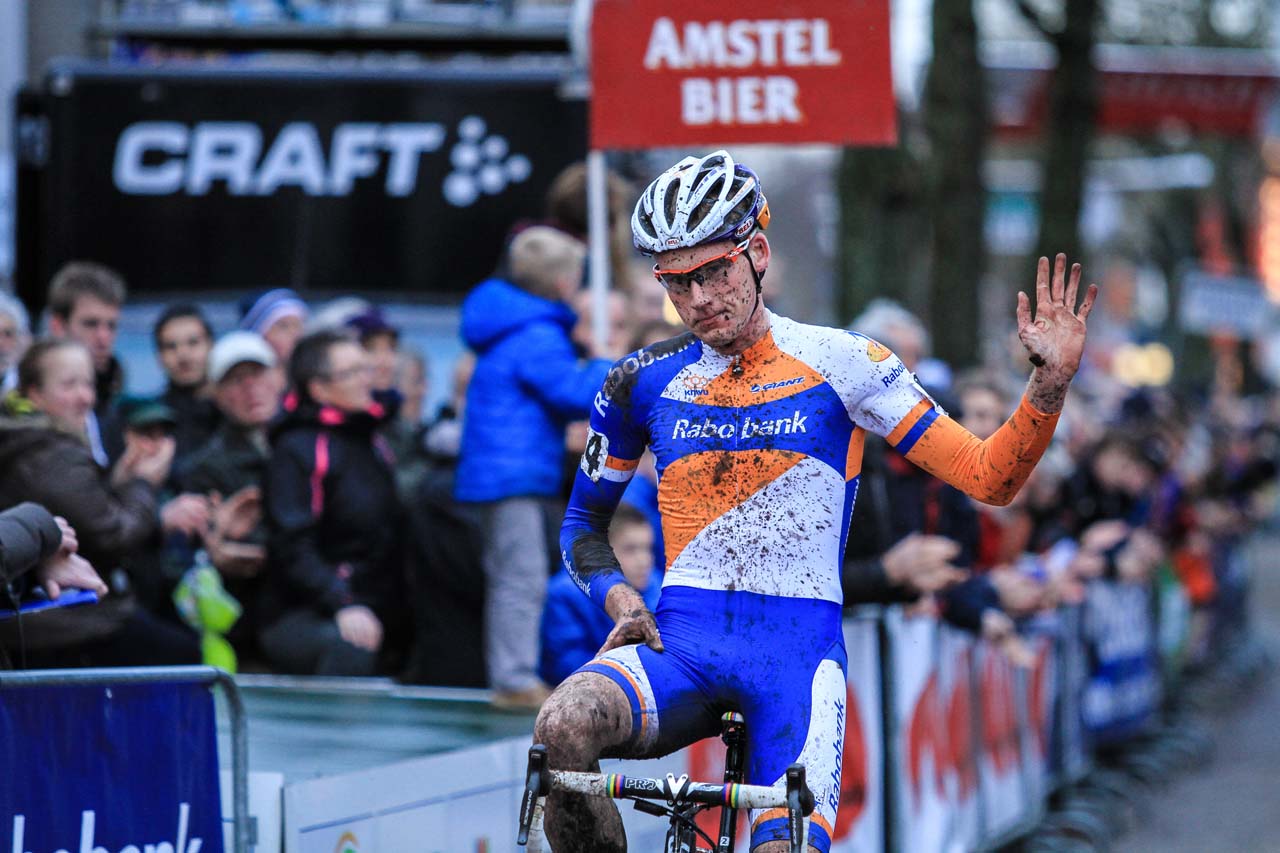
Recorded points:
(757, 457)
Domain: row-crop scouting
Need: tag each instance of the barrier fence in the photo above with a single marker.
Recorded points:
(119, 760)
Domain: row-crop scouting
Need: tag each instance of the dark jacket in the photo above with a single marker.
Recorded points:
(39, 462)
(528, 384)
(197, 418)
(229, 461)
(333, 518)
(28, 536)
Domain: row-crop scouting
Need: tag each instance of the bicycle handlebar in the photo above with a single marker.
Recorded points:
(794, 796)
(671, 789)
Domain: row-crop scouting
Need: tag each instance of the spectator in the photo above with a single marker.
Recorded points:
(445, 544)
(114, 514)
(84, 305)
(45, 432)
(231, 468)
(15, 337)
(278, 315)
(381, 341)
(183, 338)
(573, 627)
(336, 313)
(333, 597)
(443, 437)
(618, 328)
(411, 380)
(406, 434)
(646, 297)
(1004, 531)
(527, 373)
(567, 211)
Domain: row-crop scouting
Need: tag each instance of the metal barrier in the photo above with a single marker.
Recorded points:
(243, 827)
(974, 747)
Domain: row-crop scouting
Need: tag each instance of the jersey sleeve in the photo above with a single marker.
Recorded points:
(891, 403)
(615, 441)
(994, 470)
(885, 397)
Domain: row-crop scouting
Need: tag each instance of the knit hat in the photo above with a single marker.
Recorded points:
(370, 323)
(261, 311)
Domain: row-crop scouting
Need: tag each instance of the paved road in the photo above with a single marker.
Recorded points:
(1233, 805)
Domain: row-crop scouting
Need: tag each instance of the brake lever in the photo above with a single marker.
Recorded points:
(799, 806)
(537, 784)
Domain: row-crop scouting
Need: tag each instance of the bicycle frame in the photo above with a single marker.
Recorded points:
(683, 798)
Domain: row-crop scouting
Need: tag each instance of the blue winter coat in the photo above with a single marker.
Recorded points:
(528, 384)
(574, 627)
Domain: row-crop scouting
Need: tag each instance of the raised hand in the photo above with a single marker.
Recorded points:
(1054, 335)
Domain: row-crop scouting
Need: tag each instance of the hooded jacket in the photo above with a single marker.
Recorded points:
(333, 517)
(527, 386)
(43, 464)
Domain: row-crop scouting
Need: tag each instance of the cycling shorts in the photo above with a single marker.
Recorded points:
(778, 661)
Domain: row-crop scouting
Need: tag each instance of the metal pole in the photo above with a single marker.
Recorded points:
(598, 242)
(245, 834)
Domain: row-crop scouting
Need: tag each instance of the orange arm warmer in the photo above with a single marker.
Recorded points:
(993, 470)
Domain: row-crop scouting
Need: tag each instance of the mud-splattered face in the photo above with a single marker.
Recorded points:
(720, 307)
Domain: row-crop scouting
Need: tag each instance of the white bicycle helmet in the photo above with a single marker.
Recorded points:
(699, 200)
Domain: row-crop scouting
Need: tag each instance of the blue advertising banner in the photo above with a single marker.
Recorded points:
(109, 769)
(1123, 691)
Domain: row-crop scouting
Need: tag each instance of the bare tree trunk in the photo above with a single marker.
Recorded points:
(1073, 103)
(880, 228)
(955, 120)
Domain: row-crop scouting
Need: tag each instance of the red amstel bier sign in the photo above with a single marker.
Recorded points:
(696, 72)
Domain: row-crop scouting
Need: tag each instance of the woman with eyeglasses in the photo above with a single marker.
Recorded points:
(334, 600)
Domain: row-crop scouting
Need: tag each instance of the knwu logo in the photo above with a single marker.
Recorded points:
(482, 164)
(88, 822)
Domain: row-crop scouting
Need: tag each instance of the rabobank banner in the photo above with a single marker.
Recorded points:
(242, 178)
(118, 769)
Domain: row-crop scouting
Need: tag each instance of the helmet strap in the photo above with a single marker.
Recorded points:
(757, 275)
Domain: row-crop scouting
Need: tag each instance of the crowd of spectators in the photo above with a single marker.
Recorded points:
(289, 460)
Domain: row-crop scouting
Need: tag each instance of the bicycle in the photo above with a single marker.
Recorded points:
(685, 799)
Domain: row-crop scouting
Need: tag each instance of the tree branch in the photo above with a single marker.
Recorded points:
(1032, 17)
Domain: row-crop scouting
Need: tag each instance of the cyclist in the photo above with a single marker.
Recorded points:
(757, 424)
